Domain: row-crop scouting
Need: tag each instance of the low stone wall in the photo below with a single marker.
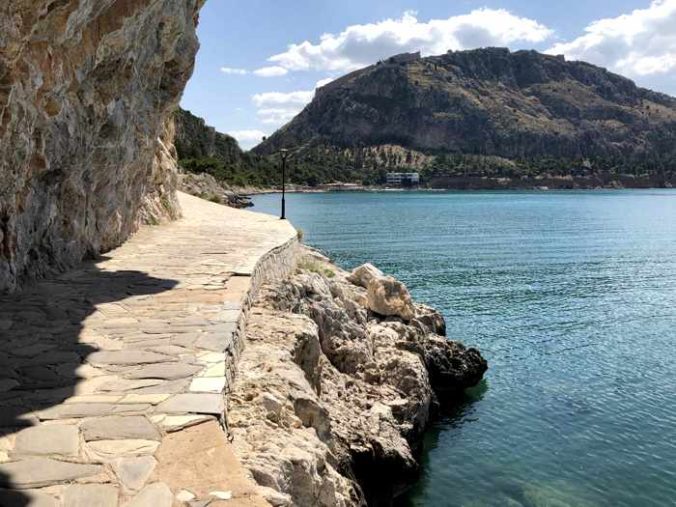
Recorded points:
(276, 265)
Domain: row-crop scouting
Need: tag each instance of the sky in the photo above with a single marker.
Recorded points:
(261, 60)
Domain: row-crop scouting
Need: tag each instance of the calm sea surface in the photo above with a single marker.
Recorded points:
(571, 296)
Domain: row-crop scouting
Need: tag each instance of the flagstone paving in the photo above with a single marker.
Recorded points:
(113, 376)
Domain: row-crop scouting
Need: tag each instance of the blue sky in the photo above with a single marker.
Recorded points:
(260, 60)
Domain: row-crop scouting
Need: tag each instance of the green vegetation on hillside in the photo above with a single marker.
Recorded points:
(201, 149)
(487, 113)
(508, 119)
(257, 173)
(326, 165)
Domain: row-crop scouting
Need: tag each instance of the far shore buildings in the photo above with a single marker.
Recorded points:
(402, 179)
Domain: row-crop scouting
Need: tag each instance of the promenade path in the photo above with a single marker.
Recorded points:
(112, 375)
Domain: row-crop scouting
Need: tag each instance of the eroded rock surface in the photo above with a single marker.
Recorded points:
(207, 187)
(331, 399)
(85, 153)
(387, 296)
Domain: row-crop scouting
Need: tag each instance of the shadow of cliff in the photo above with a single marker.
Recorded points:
(40, 347)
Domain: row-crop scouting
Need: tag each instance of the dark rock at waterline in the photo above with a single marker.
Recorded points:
(452, 366)
(207, 187)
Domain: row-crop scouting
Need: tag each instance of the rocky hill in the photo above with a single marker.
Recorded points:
(195, 139)
(201, 149)
(486, 112)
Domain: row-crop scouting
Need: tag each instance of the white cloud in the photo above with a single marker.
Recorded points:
(233, 70)
(277, 108)
(641, 43)
(273, 71)
(247, 138)
(277, 115)
(323, 82)
(296, 98)
(361, 45)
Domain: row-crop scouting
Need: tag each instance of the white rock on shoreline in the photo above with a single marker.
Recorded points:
(388, 296)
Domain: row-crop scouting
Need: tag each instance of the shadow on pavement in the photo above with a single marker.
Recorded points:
(40, 350)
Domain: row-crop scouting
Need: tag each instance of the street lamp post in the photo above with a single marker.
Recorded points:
(284, 153)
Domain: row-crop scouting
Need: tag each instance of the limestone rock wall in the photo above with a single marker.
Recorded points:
(331, 399)
(85, 156)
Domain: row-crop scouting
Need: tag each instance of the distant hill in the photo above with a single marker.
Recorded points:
(468, 115)
(195, 139)
(202, 149)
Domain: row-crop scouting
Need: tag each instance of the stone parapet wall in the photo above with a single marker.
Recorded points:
(277, 264)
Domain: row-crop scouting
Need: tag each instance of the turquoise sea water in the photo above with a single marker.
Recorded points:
(571, 296)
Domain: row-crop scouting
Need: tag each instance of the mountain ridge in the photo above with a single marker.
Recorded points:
(522, 109)
(201, 149)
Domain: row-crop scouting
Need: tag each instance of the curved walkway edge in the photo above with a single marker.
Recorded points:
(113, 376)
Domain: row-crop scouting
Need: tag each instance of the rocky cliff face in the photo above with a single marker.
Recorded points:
(201, 149)
(207, 187)
(85, 153)
(196, 139)
(489, 102)
(339, 378)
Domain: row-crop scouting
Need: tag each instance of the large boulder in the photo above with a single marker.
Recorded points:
(362, 275)
(388, 296)
(430, 320)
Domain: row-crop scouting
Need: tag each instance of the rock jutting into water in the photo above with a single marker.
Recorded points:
(332, 398)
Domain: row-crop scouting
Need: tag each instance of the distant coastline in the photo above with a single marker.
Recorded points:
(544, 183)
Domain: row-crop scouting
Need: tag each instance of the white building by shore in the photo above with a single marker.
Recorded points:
(403, 179)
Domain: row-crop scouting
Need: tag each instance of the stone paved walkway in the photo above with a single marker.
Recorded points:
(112, 376)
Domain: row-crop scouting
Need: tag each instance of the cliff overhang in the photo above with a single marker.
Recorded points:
(86, 155)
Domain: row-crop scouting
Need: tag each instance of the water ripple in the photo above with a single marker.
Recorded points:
(572, 298)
